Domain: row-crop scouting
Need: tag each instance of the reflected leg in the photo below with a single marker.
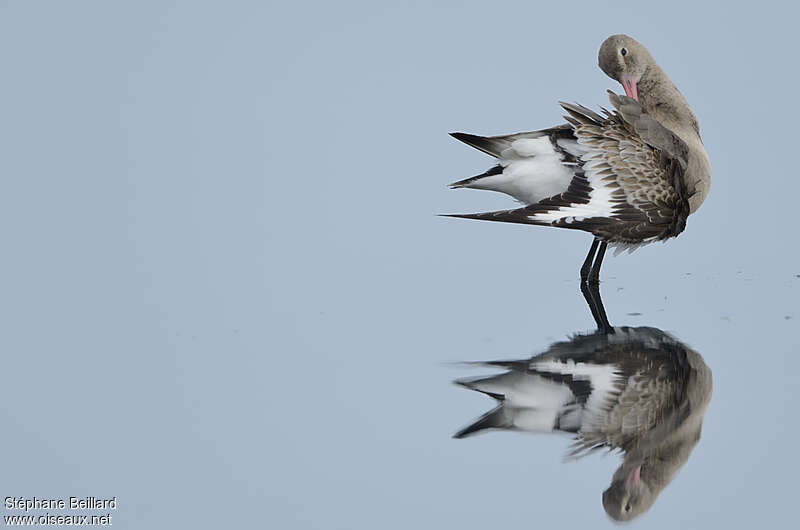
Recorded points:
(587, 263)
(591, 293)
(594, 276)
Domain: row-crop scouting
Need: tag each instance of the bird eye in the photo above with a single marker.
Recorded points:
(624, 52)
(628, 506)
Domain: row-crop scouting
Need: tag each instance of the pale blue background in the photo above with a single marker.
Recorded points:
(227, 300)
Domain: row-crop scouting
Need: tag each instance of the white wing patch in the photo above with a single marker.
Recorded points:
(529, 147)
(604, 378)
(599, 204)
(531, 402)
(535, 402)
(532, 171)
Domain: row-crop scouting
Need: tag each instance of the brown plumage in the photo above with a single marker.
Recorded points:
(635, 173)
(641, 165)
(651, 409)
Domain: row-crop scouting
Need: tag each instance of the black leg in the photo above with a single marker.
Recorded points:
(589, 297)
(605, 326)
(594, 276)
(591, 293)
(587, 263)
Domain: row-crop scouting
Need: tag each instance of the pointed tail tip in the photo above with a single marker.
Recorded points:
(494, 419)
(461, 215)
(466, 383)
(468, 431)
(470, 139)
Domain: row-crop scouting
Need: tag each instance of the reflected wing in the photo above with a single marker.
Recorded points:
(653, 402)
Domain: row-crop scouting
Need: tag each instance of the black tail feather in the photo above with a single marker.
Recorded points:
(520, 216)
(496, 170)
(494, 419)
(472, 384)
(490, 146)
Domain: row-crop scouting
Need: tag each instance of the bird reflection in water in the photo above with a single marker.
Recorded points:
(634, 389)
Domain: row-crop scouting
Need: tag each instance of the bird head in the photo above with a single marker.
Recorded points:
(629, 495)
(623, 59)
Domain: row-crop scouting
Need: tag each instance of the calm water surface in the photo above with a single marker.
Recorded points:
(228, 301)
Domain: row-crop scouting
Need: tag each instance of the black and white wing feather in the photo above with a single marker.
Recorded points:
(617, 391)
(628, 186)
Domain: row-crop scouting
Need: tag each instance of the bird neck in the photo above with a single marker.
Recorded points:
(664, 102)
(663, 464)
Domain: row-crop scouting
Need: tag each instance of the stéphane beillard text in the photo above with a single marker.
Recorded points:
(73, 503)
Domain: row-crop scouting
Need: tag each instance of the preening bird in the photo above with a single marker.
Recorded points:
(634, 389)
(630, 176)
